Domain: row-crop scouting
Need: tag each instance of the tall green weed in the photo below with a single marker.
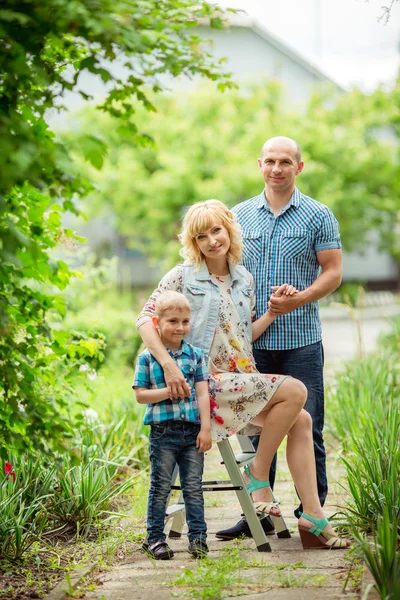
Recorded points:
(382, 556)
(24, 496)
(85, 493)
(365, 417)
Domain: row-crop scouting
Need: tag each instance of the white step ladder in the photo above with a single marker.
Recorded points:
(233, 463)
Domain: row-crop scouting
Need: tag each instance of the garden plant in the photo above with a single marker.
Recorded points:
(365, 416)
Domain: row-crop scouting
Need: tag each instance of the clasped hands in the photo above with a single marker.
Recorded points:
(283, 300)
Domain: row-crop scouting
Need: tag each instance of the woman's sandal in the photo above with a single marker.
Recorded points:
(315, 537)
(255, 484)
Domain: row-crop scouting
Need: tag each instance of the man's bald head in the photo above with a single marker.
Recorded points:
(282, 141)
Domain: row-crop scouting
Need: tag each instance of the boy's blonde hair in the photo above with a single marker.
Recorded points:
(171, 300)
(200, 217)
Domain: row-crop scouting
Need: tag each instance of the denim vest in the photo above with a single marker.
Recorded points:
(204, 298)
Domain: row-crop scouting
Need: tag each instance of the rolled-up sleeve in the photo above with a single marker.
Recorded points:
(328, 236)
(142, 372)
(171, 281)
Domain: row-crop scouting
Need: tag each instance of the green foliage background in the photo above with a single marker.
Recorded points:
(145, 167)
(44, 49)
(207, 145)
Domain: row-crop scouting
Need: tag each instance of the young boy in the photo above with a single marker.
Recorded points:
(180, 429)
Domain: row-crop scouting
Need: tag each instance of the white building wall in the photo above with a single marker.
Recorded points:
(251, 57)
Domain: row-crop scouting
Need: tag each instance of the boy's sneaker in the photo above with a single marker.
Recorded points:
(158, 550)
(198, 549)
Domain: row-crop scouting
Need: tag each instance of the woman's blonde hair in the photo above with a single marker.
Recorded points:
(200, 217)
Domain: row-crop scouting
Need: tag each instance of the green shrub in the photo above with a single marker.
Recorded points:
(120, 439)
(24, 496)
(85, 493)
(360, 395)
(77, 490)
(94, 305)
(372, 467)
(382, 555)
(391, 341)
(352, 294)
(365, 417)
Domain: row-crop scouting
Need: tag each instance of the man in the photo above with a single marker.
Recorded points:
(290, 238)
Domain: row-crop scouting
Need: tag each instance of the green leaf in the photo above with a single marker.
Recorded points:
(94, 150)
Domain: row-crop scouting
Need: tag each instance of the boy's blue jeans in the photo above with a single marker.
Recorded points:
(171, 443)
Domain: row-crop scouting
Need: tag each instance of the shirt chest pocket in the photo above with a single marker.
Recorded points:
(188, 369)
(196, 296)
(252, 245)
(294, 243)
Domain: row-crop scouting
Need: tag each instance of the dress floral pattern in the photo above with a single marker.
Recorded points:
(238, 392)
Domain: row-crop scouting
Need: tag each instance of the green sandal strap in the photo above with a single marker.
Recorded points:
(319, 524)
(254, 484)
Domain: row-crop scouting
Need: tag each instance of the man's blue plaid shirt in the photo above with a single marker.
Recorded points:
(283, 250)
(149, 375)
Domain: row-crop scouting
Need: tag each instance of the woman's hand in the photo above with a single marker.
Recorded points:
(284, 290)
(284, 299)
(175, 380)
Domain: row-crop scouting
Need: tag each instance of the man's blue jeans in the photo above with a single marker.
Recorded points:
(306, 364)
(171, 443)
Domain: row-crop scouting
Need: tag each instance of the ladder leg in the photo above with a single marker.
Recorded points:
(243, 496)
(279, 523)
(178, 521)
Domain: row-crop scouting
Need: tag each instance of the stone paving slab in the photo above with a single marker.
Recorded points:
(293, 594)
(271, 594)
(129, 594)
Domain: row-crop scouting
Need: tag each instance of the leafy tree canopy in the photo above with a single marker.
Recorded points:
(207, 146)
(45, 48)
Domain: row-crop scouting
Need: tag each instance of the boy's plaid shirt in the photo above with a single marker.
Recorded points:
(283, 249)
(149, 375)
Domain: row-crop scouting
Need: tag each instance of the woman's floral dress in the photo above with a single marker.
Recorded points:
(238, 392)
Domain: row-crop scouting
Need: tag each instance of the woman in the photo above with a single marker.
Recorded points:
(222, 302)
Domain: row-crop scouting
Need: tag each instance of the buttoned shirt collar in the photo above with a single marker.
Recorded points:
(295, 199)
(183, 349)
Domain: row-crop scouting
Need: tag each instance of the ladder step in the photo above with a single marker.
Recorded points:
(243, 458)
(214, 488)
(173, 509)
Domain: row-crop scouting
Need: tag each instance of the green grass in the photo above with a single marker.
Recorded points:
(364, 412)
(382, 556)
(225, 577)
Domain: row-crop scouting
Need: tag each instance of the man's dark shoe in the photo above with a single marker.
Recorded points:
(198, 549)
(242, 529)
(158, 550)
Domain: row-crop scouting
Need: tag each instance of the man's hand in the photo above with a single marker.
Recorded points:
(203, 441)
(284, 299)
(176, 382)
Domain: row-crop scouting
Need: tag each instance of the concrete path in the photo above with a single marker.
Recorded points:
(288, 572)
(340, 335)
